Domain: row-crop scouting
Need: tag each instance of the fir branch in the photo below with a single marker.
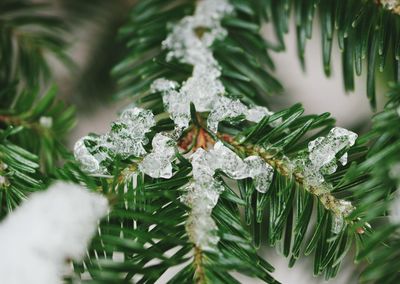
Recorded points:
(282, 164)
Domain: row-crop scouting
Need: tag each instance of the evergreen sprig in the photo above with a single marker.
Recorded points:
(144, 234)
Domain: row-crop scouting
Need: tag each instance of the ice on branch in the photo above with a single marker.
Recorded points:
(90, 163)
(192, 37)
(157, 164)
(190, 42)
(392, 5)
(203, 193)
(257, 113)
(321, 160)
(128, 134)
(201, 196)
(226, 109)
(47, 230)
(125, 139)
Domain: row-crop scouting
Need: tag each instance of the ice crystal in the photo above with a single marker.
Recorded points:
(203, 193)
(126, 138)
(337, 224)
(163, 85)
(390, 4)
(191, 38)
(128, 134)
(157, 164)
(261, 172)
(321, 159)
(203, 231)
(57, 232)
(89, 163)
(257, 113)
(225, 109)
(341, 210)
(189, 42)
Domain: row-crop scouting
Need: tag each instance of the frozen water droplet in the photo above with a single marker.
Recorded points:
(257, 113)
(261, 172)
(163, 85)
(225, 109)
(390, 4)
(88, 162)
(189, 42)
(344, 207)
(343, 159)
(228, 161)
(128, 134)
(157, 164)
(322, 154)
(126, 138)
(337, 224)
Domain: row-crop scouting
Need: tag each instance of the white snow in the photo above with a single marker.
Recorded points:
(49, 228)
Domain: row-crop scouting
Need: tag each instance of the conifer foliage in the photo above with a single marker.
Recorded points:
(198, 172)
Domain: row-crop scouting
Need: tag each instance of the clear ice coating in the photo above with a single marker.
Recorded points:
(90, 163)
(189, 42)
(337, 224)
(257, 113)
(128, 134)
(390, 4)
(202, 194)
(321, 159)
(225, 109)
(342, 209)
(125, 139)
(157, 164)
